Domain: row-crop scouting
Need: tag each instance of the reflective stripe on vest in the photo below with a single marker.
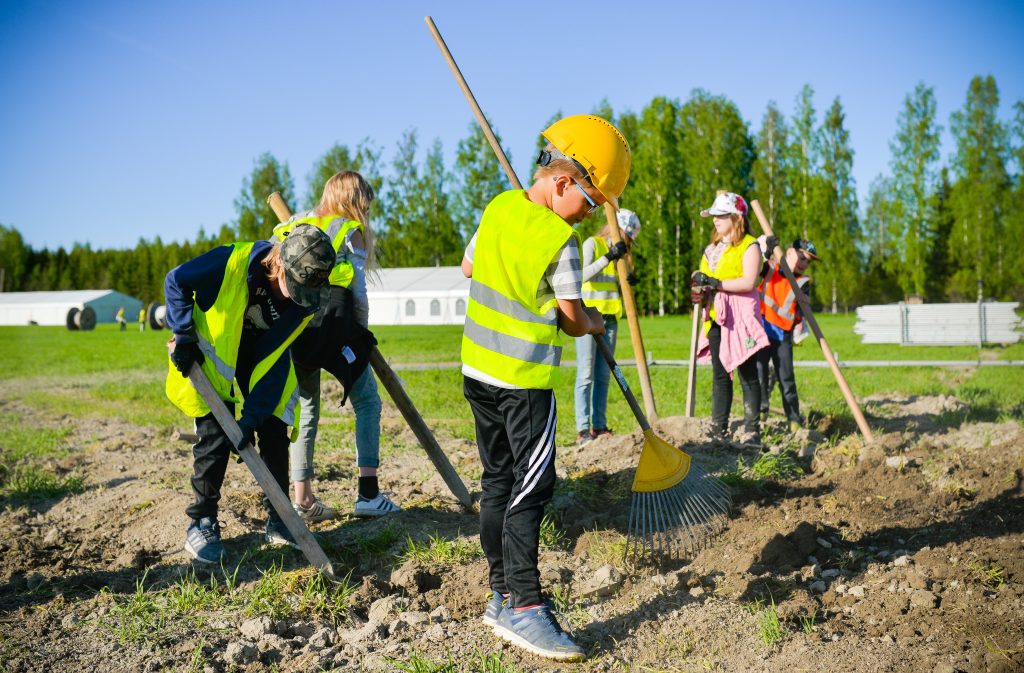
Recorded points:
(219, 332)
(511, 334)
(602, 291)
(778, 301)
(730, 265)
(337, 229)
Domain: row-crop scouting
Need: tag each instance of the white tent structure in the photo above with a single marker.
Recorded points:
(418, 296)
(76, 309)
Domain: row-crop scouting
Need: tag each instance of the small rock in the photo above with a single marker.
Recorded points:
(69, 621)
(435, 633)
(812, 561)
(943, 668)
(604, 582)
(696, 592)
(831, 572)
(857, 591)
(440, 614)
(52, 538)
(272, 642)
(240, 653)
(887, 639)
(397, 628)
(824, 543)
(818, 587)
(895, 462)
(380, 609)
(321, 639)
(254, 629)
(414, 618)
(923, 598)
(302, 629)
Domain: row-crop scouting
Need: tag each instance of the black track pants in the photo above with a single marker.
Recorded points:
(210, 461)
(515, 434)
(721, 389)
(780, 353)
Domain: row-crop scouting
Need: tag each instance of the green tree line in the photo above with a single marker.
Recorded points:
(939, 231)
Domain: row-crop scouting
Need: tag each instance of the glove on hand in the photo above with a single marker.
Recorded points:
(616, 251)
(699, 278)
(770, 243)
(184, 354)
(631, 278)
(248, 434)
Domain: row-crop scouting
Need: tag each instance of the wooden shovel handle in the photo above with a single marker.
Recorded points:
(805, 309)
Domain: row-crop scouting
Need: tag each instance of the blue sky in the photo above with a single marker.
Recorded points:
(123, 120)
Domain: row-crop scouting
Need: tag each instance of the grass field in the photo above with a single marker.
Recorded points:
(110, 373)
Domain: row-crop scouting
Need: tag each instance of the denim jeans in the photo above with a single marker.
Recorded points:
(592, 377)
(367, 406)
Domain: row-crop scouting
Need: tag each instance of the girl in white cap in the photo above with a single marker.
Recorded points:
(727, 280)
(601, 291)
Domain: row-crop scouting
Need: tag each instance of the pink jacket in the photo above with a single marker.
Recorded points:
(739, 315)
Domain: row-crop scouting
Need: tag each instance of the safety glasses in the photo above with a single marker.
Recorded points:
(593, 204)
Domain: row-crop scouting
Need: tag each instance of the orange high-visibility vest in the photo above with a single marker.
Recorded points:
(778, 301)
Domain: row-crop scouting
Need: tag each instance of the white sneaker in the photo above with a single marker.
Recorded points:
(315, 512)
(378, 506)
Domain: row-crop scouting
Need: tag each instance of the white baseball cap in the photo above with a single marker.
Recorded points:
(726, 203)
(628, 222)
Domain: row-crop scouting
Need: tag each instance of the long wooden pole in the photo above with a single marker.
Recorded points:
(278, 499)
(485, 126)
(805, 309)
(691, 374)
(629, 302)
(393, 385)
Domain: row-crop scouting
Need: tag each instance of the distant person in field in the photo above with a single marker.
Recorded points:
(344, 214)
(524, 261)
(733, 333)
(781, 315)
(142, 319)
(235, 311)
(119, 317)
(600, 291)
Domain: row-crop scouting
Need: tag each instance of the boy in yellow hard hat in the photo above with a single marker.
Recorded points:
(525, 264)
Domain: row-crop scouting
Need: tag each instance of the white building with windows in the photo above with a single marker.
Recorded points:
(434, 295)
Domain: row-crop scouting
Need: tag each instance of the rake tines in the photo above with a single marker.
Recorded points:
(680, 520)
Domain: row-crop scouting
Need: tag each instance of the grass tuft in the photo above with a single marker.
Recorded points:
(440, 551)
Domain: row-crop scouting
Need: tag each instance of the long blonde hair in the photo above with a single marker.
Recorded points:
(272, 263)
(348, 194)
(740, 226)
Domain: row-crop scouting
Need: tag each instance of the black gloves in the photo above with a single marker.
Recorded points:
(631, 278)
(770, 243)
(184, 354)
(701, 279)
(248, 434)
(617, 250)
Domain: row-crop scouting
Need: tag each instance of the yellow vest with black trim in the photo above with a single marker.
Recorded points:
(220, 332)
(337, 229)
(511, 333)
(730, 265)
(602, 291)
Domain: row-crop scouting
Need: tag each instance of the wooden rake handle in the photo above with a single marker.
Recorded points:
(393, 385)
(629, 302)
(805, 308)
(634, 406)
(278, 499)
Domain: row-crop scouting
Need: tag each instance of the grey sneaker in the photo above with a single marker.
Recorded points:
(380, 505)
(536, 630)
(202, 540)
(278, 534)
(315, 512)
(495, 606)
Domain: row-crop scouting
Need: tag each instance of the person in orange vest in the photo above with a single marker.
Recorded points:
(781, 315)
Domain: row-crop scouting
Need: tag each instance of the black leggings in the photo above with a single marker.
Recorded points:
(721, 390)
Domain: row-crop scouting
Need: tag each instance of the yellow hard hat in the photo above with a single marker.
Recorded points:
(599, 150)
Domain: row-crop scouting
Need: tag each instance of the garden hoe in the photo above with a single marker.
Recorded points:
(677, 507)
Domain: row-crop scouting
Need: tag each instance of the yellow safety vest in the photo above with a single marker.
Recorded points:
(220, 331)
(336, 229)
(511, 334)
(602, 291)
(730, 265)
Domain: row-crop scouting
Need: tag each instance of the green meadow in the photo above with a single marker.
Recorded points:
(108, 373)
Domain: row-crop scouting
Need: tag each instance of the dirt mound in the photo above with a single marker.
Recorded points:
(905, 554)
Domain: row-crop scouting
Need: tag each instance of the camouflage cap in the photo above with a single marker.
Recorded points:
(307, 257)
(809, 248)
